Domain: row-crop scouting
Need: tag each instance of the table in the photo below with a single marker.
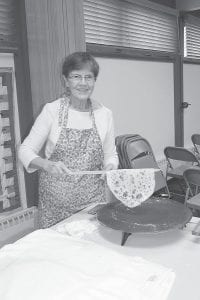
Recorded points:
(178, 250)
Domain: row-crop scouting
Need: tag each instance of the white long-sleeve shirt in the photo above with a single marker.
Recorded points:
(46, 129)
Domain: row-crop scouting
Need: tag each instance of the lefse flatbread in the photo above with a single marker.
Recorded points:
(131, 186)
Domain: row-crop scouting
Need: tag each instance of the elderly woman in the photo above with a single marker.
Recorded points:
(78, 135)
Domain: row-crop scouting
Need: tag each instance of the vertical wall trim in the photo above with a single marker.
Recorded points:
(24, 96)
(22, 70)
(74, 23)
(178, 99)
(178, 88)
(79, 25)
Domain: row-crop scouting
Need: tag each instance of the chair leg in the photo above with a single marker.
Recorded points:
(187, 195)
(196, 190)
(168, 192)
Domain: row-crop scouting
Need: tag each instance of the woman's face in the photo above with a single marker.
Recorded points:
(80, 83)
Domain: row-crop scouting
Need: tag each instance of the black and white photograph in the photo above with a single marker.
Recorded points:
(99, 149)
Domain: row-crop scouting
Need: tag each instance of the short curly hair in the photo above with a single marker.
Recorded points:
(79, 60)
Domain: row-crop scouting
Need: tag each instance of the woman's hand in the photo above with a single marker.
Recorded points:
(110, 167)
(55, 168)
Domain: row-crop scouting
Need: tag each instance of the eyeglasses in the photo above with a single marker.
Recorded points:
(76, 78)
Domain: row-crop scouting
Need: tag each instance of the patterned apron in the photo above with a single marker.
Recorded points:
(61, 196)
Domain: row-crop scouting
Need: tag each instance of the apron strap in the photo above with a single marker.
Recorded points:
(94, 126)
(63, 112)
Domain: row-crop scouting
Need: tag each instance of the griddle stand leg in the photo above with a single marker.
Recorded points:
(125, 235)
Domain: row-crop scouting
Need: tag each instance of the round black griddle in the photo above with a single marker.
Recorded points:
(152, 216)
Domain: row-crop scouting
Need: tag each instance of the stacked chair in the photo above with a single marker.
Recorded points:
(179, 159)
(192, 198)
(135, 152)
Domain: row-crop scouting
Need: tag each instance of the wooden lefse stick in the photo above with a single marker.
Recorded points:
(99, 172)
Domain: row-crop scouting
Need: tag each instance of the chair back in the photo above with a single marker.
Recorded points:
(192, 176)
(140, 155)
(180, 154)
(192, 180)
(196, 142)
(195, 139)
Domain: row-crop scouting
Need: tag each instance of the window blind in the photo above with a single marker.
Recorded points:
(7, 20)
(191, 37)
(127, 24)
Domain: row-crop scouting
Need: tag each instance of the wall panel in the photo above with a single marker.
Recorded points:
(141, 96)
(39, 51)
(54, 29)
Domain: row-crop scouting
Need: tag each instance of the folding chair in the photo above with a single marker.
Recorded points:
(196, 143)
(192, 198)
(178, 160)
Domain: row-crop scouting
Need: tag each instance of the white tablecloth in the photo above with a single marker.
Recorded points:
(176, 250)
